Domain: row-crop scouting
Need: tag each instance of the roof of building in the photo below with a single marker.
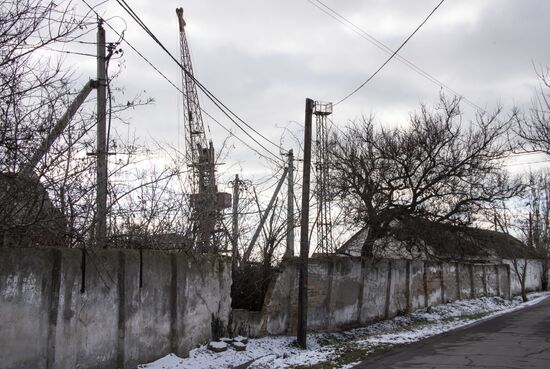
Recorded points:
(448, 241)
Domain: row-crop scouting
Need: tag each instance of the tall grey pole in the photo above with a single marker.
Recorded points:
(265, 215)
(101, 190)
(235, 224)
(290, 207)
(58, 129)
(304, 231)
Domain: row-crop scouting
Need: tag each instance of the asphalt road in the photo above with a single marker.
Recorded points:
(518, 340)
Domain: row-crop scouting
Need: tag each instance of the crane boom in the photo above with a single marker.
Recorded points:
(206, 201)
(194, 128)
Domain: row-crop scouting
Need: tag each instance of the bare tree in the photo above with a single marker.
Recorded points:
(55, 205)
(34, 90)
(509, 222)
(150, 205)
(537, 224)
(256, 264)
(534, 127)
(435, 168)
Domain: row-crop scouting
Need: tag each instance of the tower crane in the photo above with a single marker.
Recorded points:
(206, 201)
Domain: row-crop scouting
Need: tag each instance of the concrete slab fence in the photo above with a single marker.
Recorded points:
(65, 308)
(346, 292)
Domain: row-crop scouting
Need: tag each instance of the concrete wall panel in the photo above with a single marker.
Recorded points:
(345, 290)
(418, 291)
(65, 308)
(433, 282)
(375, 290)
(479, 280)
(25, 300)
(360, 290)
(491, 281)
(318, 293)
(399, 289)
(450, 282)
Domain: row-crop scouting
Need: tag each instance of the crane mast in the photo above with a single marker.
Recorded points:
(206, 202)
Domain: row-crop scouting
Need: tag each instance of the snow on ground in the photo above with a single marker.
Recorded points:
(345, 349)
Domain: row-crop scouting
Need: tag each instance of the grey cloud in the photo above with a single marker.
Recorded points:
(264, 57)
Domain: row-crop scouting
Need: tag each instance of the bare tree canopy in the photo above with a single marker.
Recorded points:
(436, 167)
(55, 206)
(534, 128)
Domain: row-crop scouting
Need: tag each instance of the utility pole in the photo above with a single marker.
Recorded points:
(101, 190)
(290, 207)
(304, 231)
(235, 224)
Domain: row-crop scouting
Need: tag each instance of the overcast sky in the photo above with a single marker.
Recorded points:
(262, 58)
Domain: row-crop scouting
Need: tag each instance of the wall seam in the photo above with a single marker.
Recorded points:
(408, 286)
(173, 303)
(458, 286)
(121, 309)
(497, 273)
(472, 287)
(442, 281)
(425, 283)
(329, 297)
(361, 290)
(484, 275)
(53, 309)
(388, 291)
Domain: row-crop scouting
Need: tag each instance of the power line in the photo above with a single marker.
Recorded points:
(528, 163)
(211, 96)
(219, 104)
(240, 139)
(391, 56)
(181, 91)
(379, 44)
(69, 52)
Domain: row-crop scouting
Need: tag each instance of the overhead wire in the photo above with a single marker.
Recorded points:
(362, 33)
(373, 40)
(69, 52)
(391, 56)
(181, 91)
(528, 163)
(216, 101)
(380, 45)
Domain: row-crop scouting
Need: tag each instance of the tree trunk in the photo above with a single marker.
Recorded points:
(523, 293)
(545, 275)
(368, 246)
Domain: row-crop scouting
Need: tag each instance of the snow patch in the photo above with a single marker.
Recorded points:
(281, 352)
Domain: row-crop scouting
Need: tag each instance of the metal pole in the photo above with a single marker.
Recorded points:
(235, 225)
(290, 207)
(304, 231)
(58, 129)
(101, 226)
(265, 215)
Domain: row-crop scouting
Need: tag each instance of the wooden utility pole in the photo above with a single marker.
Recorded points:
(101, 190)
(290, 207)
(235, 224)
(304, 230)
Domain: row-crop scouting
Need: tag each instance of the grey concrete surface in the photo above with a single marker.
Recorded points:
(518, 340)
(345, 292)
(111, 309)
